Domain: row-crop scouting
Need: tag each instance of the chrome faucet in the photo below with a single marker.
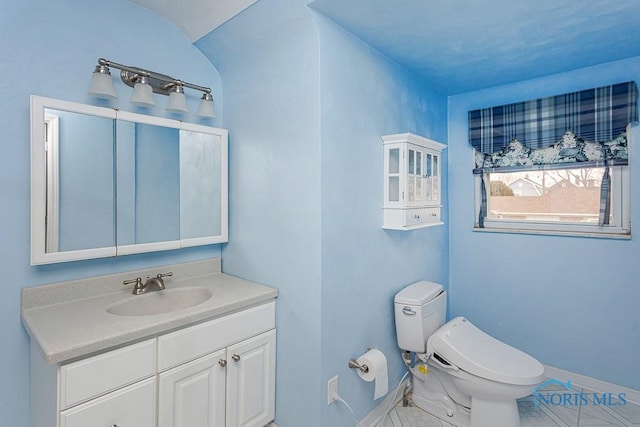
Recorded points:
(152, 284)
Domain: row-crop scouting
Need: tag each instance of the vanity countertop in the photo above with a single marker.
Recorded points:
(69, 320)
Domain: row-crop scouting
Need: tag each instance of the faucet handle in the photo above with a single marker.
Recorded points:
(138, 287)
(137, 281)
(159, 277)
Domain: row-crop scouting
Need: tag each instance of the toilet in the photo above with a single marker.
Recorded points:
(461, 375)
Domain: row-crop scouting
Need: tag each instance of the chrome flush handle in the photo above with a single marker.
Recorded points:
(408, 311)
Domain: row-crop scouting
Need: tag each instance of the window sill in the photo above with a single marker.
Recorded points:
(614, 236)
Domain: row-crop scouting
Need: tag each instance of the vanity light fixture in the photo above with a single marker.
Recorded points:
(102, 83)
(206, 108)
(145, 84)
(177, 100)
(143, 92)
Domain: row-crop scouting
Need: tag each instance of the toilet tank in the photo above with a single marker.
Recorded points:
(420, 309)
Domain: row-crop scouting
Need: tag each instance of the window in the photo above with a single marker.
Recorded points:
(555, 201)
(557, 164)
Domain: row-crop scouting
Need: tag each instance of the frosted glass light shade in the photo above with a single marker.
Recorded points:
(143, 95)
(177, 103)
(102, 86)
(206, 109)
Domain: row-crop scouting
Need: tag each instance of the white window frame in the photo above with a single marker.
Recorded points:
(620, 208)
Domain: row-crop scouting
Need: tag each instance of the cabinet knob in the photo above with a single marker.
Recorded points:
(115, 425)
(236, 358)
(222, 362)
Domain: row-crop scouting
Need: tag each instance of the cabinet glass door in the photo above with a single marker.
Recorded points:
(393, 175)
(432, 178)
(435, 181)
(415, 178)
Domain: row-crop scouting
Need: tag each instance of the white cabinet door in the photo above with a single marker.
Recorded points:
(251, 381)
(193, 394)
(132, 406)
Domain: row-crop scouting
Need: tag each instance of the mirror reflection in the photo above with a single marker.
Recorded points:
(148, 183)
(200, 184)
(80, 181)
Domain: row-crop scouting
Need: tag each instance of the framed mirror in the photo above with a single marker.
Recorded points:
(107, 183)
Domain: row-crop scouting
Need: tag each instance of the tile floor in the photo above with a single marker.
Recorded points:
(541, 415)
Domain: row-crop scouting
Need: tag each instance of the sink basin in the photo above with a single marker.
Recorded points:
(165, 301)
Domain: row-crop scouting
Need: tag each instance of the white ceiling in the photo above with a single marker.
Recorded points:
(196, 18)
(460, 45)
(465, 45)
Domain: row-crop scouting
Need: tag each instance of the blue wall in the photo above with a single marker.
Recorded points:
(570, 302)
(50, 49)
(364, 96)
(268, 59)
(306, 105)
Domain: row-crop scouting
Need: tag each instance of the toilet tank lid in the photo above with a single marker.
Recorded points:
(418, 293)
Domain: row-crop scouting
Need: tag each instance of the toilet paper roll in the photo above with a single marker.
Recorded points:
(377, 364)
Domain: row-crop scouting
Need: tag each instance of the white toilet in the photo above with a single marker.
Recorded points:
(470, 378)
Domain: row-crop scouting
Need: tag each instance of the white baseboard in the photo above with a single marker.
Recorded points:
(385, 406)
(592, 384)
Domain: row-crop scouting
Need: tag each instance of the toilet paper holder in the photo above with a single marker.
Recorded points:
(353, 364)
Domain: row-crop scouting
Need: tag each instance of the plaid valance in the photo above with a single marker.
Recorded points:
(597, 115)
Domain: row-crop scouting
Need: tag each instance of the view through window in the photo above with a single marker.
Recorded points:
(563, 195)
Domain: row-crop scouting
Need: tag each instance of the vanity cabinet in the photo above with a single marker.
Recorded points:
(412, 182)
(219, 373)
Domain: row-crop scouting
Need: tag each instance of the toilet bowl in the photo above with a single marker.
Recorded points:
(471, 379)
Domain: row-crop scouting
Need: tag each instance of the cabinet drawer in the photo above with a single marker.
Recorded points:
(133, 406)
(419, 216)
(91, 377)
(190, 343)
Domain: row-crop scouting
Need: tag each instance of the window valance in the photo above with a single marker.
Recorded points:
(568, 152)
(597, 115)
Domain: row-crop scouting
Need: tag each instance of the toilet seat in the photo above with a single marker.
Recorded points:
(462, 344)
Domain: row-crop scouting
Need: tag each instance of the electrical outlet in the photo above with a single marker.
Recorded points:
(332, 389)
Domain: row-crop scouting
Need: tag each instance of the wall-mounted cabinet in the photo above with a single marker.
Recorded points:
(106, 182)
(412, 182)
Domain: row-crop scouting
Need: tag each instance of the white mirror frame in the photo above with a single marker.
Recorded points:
(39, 254)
